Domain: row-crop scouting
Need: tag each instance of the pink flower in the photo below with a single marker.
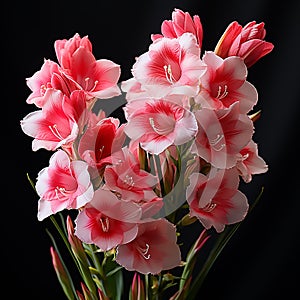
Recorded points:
(222, 134)
(250, 163)
(154, 248)
(65, 49)
(99, 141)
(64, 184)
(181, 22)
(224, 83)
(50, 76)
(107, 221)
(157, 124)
(246, 42)
(215, 199)
(98, 78)
(58, 123)
(128, 180)
(171, 66)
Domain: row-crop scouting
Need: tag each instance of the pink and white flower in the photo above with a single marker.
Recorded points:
(215, 199)
(50, 76)
(157, 124)
(250, 163)
(222, 134)
(181, 23)
(127, 179)
(58, 123)
(98, 78)
(153, 250)
(224, 83)
(64, 184)
(171, 66)
(107, 221)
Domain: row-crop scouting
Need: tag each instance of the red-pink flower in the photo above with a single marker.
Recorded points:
(153, 250)
(222, 134)
(59, 121)
(246, 42)
(181, 22)
(99, 141)
(107, 221)
(224, 83)
(157, 124)
(64, 184)
(171, 66)
(215, 199)
(98, 78)
(250, 163)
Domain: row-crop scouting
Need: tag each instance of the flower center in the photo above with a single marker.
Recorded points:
(87, 84)
(144, 251)
(215, 143)
(222, 92)
(104, 222)
(162, 130)
(168, 73)
(209, 207)
(55, 131)
(129, 181)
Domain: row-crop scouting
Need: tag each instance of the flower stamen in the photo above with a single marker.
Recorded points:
(104, 224)
(145, 251)
(168, 73)
(222, 95)
(55, 131)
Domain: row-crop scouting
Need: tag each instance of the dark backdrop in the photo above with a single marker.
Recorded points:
(262, 259)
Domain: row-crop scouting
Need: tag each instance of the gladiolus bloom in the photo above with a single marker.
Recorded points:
(215, 200)
(246, 42)
(154, 249)
(181, 22)
(64, 184)
(107, 221)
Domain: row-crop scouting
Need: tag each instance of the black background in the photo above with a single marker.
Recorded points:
(262, 259)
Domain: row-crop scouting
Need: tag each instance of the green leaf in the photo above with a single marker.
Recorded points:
(114, 283)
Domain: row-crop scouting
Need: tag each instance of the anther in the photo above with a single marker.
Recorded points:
(104, 224)
(55, 131)
(145, 251)
(168, 73)
(209, 207)
(224, 94)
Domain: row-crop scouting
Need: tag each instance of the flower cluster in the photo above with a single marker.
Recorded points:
(179, 158)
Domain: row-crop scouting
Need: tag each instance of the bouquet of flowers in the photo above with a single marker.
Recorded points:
(121, 194)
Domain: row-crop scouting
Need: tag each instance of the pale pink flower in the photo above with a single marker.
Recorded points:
(250, 163)
(58, 123)
(181, 22)
(99, 141)
(171, 66)
(246, 42)
(153, 250)
(215, 199)
(224, 83)
(222, 134)
(64, 184)
(107, 221)
(127, 179)
(157, 124)
(98, 78)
